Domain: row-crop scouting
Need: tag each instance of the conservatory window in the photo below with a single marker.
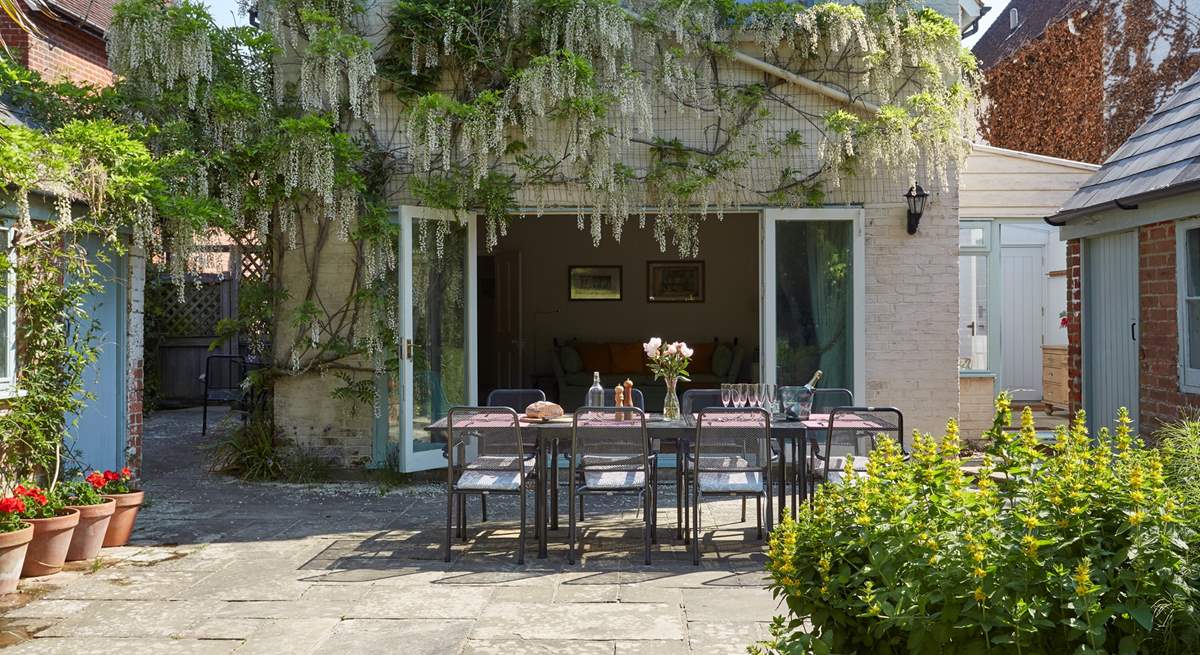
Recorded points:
(1188, 277)
(8, 333)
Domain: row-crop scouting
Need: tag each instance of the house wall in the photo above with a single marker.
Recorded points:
(63, 51)
(551, 244)
(135, 341)
(1160, 398)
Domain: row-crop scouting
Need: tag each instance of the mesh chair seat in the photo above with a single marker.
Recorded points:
(498, 463)
(613, 472)
(730, 481)
(482, 478)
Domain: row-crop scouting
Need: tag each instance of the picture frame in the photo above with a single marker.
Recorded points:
(594, 283)
(675, 281)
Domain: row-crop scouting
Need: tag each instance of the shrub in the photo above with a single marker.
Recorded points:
(1081, 550)
(79, 492)
(255, 452)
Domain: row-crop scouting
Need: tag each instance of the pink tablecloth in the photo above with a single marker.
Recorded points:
(821, 422)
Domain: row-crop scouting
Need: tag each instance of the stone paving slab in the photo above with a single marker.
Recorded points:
(220, 566)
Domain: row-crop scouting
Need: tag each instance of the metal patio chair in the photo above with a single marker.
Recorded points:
(825, 400)
(695, 400)
(485, 455)
(853, 432)
(732, 458)
(610, 455)
(515, 399)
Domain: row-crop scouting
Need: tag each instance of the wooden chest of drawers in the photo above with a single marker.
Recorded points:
(1056, 390)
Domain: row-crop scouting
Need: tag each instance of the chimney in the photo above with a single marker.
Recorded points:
(1013, 19)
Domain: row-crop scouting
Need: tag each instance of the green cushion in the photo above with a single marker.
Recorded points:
(722, 359)
(571, 361)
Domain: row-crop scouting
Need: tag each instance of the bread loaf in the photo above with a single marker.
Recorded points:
(543, 409)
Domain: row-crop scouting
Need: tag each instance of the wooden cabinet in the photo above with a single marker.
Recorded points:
(1056, 388)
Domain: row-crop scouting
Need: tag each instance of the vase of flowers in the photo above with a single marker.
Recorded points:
(112, 484)
(668, 361)
(95, 513)
(53, 526)
(15, 535)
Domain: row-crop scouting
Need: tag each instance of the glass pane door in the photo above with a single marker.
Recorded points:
(437, 309)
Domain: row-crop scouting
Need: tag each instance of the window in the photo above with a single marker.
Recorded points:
(8, 333)
(1188, 280)
(974, 244)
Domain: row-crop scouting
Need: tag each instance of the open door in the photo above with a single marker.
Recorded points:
(438, 341)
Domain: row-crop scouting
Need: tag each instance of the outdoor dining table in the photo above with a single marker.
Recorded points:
(680, 434)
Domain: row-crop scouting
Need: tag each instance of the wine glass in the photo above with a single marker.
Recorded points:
(753, 395)
(726, 395)
(739, 394)
(768, 395)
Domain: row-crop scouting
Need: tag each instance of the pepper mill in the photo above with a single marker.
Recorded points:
(629, 394)
(619, 401)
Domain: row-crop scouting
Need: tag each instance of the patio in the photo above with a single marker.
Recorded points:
(221, 566)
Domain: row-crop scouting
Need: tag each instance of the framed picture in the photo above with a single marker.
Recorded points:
(675, 281)
(594, 282)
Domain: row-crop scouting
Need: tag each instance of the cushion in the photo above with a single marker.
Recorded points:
(733, 481)
(626, 357)
(480, 476)
(595, 357)
(602, 479)
(570, 359)
(722, 359)
(702, 358)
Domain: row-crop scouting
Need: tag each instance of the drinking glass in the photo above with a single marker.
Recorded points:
(768, 394)
(753, 395)
(726, 395)
(739, 394)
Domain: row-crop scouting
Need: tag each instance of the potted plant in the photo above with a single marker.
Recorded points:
(15, 535)
(53, 525)
(128, 501)
(95, 513)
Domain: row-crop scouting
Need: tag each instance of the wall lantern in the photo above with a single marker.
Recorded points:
(916, 206)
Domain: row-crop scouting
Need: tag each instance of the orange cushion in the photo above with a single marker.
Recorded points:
(626, 357)
(702, 357)
(595, 357)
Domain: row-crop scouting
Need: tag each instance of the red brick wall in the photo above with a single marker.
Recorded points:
(62, 51)
(1074, 327)
(1158, 350)
(133, 441)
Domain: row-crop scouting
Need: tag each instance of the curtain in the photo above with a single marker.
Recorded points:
(830, 283)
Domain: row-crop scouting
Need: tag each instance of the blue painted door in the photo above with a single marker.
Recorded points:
(98, 437)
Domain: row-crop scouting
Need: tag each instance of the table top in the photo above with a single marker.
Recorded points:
(655, 424)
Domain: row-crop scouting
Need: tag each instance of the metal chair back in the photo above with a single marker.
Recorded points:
(639, 401)
(486, 439)
(853, 432)
(515, 399)
(824, 400)
(695, 400)
(612, 443)
(735, 440)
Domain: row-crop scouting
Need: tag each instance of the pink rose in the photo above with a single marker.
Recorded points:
(671, 349)
(687, 352)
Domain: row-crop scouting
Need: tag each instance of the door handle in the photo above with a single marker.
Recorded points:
(408, 349)
(1133, 331)
(971, 325)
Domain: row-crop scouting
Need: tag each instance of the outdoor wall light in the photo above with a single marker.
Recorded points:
(916, 206)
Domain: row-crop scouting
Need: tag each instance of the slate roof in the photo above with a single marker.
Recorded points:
(93, 14)
(1034, 16)
(1162, 157)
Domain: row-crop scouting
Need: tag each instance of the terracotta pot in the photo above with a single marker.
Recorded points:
(51, 538)
(121, 525)
(12, 557)
(89, 534)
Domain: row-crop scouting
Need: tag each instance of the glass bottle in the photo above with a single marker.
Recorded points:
(595, 395)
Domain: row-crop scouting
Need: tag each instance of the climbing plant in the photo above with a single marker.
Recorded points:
(300, 131)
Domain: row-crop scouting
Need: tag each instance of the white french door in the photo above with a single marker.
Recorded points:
(438, 341)
(813, 281)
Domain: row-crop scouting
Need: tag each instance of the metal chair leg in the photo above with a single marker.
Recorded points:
(483, 508)
(571, 523)
(581, 508)
(204, 421)
(449, 524)
(743, 509)
(521, 534)
(462, 516)
(647, 524)
(757, 513)
(554, 485)
(696, 525)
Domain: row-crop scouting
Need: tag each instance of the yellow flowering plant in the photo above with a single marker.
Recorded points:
(1076, 547)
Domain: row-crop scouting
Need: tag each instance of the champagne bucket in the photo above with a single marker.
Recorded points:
(797, 402)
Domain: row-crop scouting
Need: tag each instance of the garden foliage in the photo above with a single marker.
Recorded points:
(1079, 548)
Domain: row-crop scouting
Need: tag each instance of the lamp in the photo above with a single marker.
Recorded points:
(916, 206)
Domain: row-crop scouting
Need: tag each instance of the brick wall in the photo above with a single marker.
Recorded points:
(976, 405)
(1074, 327)
(62, 51)
(1159, 399)
(135, 340)
(911, 312)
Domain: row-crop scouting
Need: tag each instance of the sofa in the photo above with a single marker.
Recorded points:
(713, 364)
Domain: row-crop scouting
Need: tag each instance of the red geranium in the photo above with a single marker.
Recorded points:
(37, 504)
(111, 482)
(11, 509)
(12, 505)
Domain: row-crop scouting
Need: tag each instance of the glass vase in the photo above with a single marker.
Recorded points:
(671, 402)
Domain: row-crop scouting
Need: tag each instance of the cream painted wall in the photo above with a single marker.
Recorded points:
(550, 244)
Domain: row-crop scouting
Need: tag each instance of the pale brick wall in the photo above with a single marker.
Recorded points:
(135, 344)
(305, 411)
(911, 310)
(976, 405)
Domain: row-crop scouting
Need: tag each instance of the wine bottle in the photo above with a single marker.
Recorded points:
(812, 384)
(595, 395)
